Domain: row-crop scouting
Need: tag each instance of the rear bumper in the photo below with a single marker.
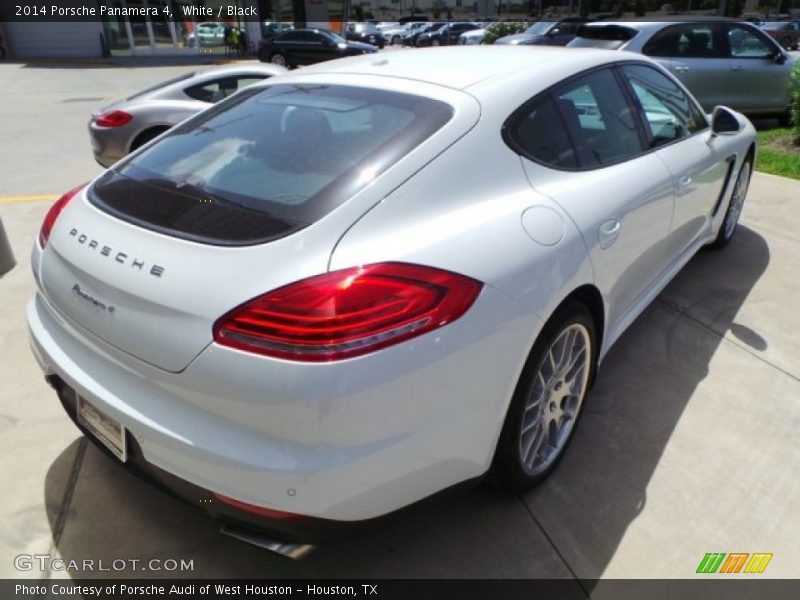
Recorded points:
(300, 530)
(345, 442)
(108, 144)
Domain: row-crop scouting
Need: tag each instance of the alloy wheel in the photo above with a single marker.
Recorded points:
(554, 401)
(737, 200)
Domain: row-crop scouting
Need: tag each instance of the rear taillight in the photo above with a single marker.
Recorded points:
(55, 210)
(114, 118)
(347, 313)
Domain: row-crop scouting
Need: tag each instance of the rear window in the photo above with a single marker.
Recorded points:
(608, 37)
(267, 162)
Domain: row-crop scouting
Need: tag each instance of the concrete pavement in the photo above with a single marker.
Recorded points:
(688, 444)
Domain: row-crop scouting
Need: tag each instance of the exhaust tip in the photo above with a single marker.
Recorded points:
(285, 549)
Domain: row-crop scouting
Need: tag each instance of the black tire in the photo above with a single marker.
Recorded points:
(726, 230)
(395, 40)
(2, 53)
(278, 58)
(507, 471)
(146, 136)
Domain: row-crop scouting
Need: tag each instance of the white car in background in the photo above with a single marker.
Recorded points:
(470, 38)
(346, 289)
(394, 35)
(206, 35)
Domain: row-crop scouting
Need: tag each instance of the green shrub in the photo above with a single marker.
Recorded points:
(794, 105)
(501, 29)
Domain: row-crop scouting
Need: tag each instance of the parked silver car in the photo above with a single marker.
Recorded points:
(124, 126)
(722, 61)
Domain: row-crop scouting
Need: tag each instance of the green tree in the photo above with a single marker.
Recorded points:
(734, 8)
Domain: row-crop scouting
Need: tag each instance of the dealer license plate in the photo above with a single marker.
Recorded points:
(109, 431)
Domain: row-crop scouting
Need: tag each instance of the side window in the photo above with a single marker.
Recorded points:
(746, 43)
(697, 40)
(214, 91)
(567, 28)
(664, 43)
(586, 123)
(541, 136)
(243, 82)
(668, 112)
(700, 41)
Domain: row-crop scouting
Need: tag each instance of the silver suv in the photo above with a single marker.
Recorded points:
(722, 61)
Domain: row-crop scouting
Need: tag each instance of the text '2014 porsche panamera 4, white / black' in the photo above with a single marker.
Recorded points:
(348, 288)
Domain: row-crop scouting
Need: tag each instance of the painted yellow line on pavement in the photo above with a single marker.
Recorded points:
(18, 199)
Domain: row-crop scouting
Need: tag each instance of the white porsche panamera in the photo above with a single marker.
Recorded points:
(337, 293)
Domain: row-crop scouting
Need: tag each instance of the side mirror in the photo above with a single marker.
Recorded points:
(779, 58)
(724, 121)
(553, 32)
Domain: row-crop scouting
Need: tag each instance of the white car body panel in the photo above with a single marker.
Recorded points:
(357, 438)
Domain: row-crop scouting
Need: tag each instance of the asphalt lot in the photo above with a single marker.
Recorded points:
(688, 445)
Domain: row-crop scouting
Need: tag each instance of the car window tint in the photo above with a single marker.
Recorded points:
(746, 43)
(541, 135)
(280, 156)
(693, 40)
(292, 36)
(669, 113)
(567, 28)
(161, 85)
(586, 123)
(598, 119)
(699, 41)
(216, 90)
(664, 43)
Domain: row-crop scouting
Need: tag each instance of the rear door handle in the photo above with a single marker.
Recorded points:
(737, 68)
(680, 69)
(608, 233)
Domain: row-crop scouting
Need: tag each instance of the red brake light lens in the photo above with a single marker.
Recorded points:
(261, 511)
(114, 118)
(55, 210)
(347, 313)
